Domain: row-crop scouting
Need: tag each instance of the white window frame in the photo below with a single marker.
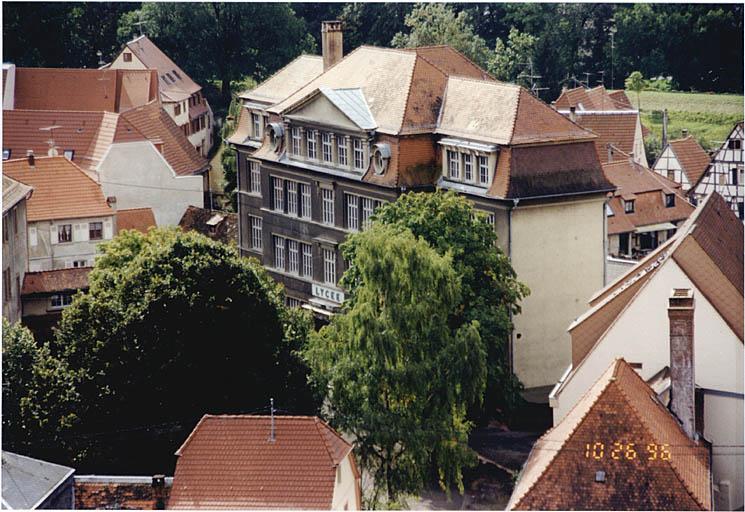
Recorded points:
(307, 256)
(329, 266)
(353, 211)
(453, 164)
(368, 209)
(359, 154)
(278, 194)
(256, 125)
(292, 206)
(60, 300)
(297, 140)
(306, 208)
(279, 252)
(311, 144)
(468, 167)
(254, 176)
(64, 228)
(341, 151)
(293, 256)
(90, 230)
(483, 162)
(327, 206)
(257, 228)
(327, 147)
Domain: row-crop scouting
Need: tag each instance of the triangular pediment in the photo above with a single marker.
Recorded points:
(340, 108)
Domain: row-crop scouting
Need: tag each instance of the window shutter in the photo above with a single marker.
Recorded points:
(54, 234)
(84, 233)
(32, 240)
(108, 229)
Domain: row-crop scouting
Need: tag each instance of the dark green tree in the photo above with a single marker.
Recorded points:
(490, 290)
(372, 23)
(174, 326)
(399, 378)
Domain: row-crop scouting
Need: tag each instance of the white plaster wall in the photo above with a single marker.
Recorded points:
(15, 259)
(640, 154)
(183, 117)
(120, 64)
(723, 426)
(139, 177)
(45, 255)
(345, 490)
(668, 161)
(558, 250)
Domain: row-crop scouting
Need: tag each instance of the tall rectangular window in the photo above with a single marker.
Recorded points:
(326, 143)
(293, 259)
(329, 266)
(256, 233)
(733, 172)
(483, 170)
(353, 216)
(327, 206)
(292, 197)
(279, 252)
(305, 210)
(467, 167)
(296, 141)
(307, 250)
(453, 168)
(310, 136)
(256, 121)
(64, 233)
(341, 151)
(368, 208)
(359, 155)
(255, 177)
(95, 230)
(278, 196)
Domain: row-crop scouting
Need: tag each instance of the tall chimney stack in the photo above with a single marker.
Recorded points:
(684, 131)
(682, 378)
(573, 113)
(332, 42)
(30, 156)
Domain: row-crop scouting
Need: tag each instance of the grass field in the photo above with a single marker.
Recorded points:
(708, 117)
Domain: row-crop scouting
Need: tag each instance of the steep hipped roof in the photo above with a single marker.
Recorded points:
(224, 228)
(597, 98)
(242, 128)
(707, 247)
(693, 159)
(229, 462)
(28, 482)
(108, 90)
(13, 192)
(561, 471)
(616, 128)
(88, 134)
(175, 84)
(451, 61)
(502, 113)
(61, 189)
(351, 102)
(287, 80)
(139, 219)
(155, 123)
(55, 281)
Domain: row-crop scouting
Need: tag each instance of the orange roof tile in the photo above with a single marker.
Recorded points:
(597, 98)
(618, 129)
(155, 123)
(287, 80)
(561, 471)
(451, 62)
(693, 159)
(53, 281)
(61, 189)
(228, 462)
(14, 192)
(139, 219)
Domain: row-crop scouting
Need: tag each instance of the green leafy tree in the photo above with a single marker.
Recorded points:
(635, 82)
(399, 378)
(40, 400)
(490, 290)
(435, 24)
(513, 57)
(174, 326)
(372, 23)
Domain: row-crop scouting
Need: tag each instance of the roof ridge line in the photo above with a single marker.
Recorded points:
(514, 118)
(319, 423)
(285, 67)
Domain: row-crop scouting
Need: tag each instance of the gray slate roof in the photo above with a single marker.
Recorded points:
(353, 104)
(27, 481)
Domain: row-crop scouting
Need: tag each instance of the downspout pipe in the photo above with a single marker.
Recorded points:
(511, 348)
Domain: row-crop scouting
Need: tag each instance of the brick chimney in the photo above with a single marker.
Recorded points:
(159, 485)
(682, 378)
(573, 113)
(31, 159)
(684, 132)
(332, 42)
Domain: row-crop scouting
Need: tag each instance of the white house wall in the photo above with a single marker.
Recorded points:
(45, 253)
(345, 489)
(669, 162)
(640, 154)
(139, 177)
(723, 426)
(558, 251)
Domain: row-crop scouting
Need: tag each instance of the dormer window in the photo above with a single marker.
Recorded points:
(6, 154)
(359, 155)
(326, 146)
(483, 170)
(453, 167)
(69, 154)
(310, 136)
(256, 122)
(468, 167)
(296, 141)
(127, 57)
(669, 200)
(628, 206)
(341, 151)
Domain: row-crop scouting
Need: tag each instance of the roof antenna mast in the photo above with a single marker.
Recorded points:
(272, 437)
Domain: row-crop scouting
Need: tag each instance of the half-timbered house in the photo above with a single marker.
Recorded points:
(683, 161)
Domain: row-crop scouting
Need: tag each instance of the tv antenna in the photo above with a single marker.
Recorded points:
(99, 54)
(50, 129)
(533, 78)
(587, 78)
(140, 23)
(272, 436)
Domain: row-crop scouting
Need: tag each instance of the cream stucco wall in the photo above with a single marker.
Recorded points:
(345, 489)
(15, 258)
(46, 254)
(139, 177)
(119, 62)
(640, 334)
(558, 251)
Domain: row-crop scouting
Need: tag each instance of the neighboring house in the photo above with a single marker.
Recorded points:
(628, 319)
(139, 219)
(30, 484)
(218, 225)
(67, 215)
(608, 114)
(96, 492)
(15, 245)
(382, 122)
(45, 294)
(683, 160)
(263, 462)
(182, 98)
(618, 449)
(645, 209)
(726, 174)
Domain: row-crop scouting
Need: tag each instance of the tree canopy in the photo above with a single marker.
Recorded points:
(399, 378)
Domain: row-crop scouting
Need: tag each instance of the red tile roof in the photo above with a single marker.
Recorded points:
(53, 281)
(451, 61)
(618, 129)
(228, 462)
(139, 219)
(597, 98)
(619, 409)
(155, 123)
(693, 159)
(61, 189)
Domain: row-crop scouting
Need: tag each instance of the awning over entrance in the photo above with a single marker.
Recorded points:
(663, 226)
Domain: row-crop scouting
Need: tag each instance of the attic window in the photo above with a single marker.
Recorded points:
(176, 74)
(734, 144)
(170, 77)
(69, 154)
(127, 57)
(669, 200)
(6, 154)
(628, 206)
